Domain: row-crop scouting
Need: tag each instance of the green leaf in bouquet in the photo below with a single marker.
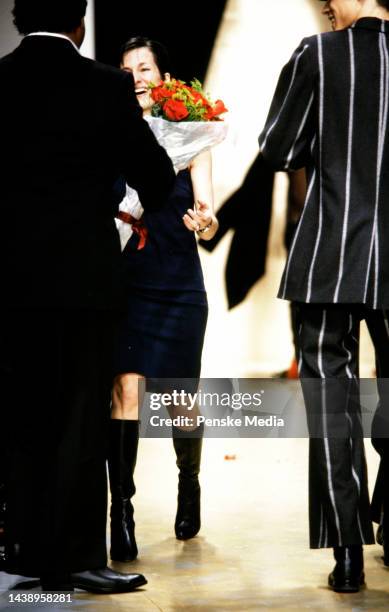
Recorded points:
(197, 86)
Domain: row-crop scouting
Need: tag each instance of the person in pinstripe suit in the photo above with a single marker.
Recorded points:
(329, 114)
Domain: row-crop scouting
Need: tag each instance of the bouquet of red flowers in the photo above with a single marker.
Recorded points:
(185, 122)
(177, 101)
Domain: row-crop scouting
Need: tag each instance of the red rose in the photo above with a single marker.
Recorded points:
(175, 110)
(159, 94)
(219, 108)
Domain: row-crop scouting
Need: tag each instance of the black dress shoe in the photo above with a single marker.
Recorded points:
(106, 581)
(347, 575)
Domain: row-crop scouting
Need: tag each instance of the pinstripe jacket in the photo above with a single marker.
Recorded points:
(330, 114)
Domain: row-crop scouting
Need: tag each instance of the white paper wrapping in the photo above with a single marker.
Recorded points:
(183, 141)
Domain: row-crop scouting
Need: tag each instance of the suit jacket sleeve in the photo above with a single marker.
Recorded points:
(143, 162)
(286, 139)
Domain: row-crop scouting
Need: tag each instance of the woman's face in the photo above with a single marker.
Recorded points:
(141, 63)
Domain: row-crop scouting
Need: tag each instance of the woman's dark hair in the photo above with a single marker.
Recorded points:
(383, 3)
(48, 15)
(160, 54)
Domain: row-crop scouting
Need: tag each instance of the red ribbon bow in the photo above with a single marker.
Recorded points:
(137, 225)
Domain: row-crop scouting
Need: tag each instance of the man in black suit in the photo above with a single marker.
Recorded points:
(70, 127)
(330, 115)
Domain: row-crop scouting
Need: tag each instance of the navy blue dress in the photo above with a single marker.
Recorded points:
(163, 331)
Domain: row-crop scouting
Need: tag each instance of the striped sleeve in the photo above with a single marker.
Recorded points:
(288, 132)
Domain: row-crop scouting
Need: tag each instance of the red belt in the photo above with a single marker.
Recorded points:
(137, 225)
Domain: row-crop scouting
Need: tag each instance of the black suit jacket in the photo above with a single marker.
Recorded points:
(330, 114)
(69, 127)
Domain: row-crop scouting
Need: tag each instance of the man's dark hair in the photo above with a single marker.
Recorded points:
(384, 3)
(160, 54)
(48, 15)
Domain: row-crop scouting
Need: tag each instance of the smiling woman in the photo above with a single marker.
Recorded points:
(148, 64)
(163, 332)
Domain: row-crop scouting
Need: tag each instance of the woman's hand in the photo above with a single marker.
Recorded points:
(201, 220)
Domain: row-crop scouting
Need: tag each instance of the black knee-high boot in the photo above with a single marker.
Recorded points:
(188, 451)
(124, 436)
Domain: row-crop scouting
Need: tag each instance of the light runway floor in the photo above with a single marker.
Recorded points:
(252, 551)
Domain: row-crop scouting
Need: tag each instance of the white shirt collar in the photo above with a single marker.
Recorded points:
(54, 35)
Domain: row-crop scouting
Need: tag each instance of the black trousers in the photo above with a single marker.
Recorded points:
(339, 509)
(56, 375)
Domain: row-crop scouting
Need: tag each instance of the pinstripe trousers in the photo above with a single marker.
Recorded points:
(339, 508)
